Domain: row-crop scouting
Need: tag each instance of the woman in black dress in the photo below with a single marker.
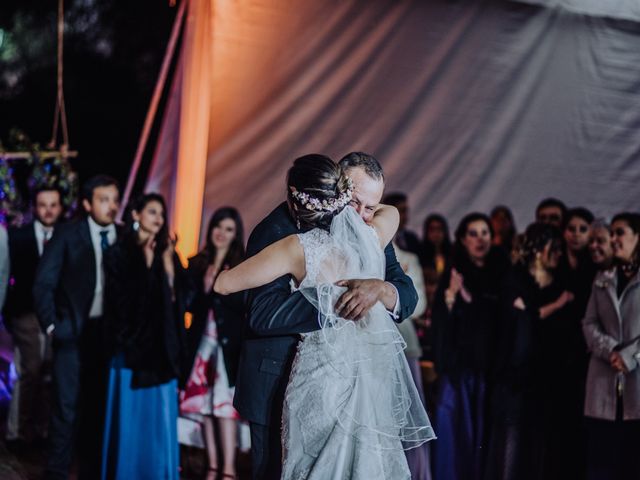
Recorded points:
(214, 340)
(527, 354)
(576, 271)
(436, 245)
(144, 311)
(465, 316)
(504, 227)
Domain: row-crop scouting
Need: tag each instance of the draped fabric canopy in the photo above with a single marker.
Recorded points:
(467, 104)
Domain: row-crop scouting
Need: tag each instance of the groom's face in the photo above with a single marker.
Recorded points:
(367, 192)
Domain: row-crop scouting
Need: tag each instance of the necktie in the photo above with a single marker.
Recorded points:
(104, 239)
(45, 238)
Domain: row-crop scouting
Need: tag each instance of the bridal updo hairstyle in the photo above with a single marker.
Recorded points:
(321, 178)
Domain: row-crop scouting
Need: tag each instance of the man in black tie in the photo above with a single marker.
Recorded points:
(28, 409)
(68, 295)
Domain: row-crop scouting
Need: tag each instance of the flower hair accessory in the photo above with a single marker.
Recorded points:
(331, 205)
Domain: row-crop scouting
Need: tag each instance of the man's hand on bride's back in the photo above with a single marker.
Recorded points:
(360, 296)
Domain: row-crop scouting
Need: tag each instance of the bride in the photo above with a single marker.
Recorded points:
(351, 407)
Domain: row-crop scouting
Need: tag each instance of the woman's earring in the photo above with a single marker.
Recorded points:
(136, 225)
(298, 223)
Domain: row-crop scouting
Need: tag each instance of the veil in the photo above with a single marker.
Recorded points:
(379, 403)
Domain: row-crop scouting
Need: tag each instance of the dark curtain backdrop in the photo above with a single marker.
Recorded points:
(467, 104)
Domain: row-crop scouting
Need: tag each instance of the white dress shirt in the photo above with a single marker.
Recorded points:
(43, 235)
(96, 239)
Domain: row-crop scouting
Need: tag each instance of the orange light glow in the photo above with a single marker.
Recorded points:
(194, 128)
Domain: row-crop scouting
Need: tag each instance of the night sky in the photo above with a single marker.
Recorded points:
(113, 52)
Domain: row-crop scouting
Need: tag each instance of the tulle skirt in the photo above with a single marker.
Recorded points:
(348, 414)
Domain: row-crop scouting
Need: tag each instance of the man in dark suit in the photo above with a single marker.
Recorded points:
(68, 294)
(28, 408)
(277, 317)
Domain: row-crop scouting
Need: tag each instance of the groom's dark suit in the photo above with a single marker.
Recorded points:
(276, 318)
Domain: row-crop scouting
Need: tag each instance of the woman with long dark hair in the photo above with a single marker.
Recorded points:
(465, 316)
(612, 329)
(144, 309)
(527, 350)
(576, 271)
(214, 340)
(504, 227)
(436, 244)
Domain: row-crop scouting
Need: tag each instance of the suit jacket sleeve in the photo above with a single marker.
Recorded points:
(47, 277)
(394, 274)
(273, 309)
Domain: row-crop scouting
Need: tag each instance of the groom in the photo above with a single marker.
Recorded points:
(277, 316)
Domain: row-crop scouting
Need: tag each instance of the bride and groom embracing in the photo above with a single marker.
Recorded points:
(323, 379)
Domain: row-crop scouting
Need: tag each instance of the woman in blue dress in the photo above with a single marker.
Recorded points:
(144, 311)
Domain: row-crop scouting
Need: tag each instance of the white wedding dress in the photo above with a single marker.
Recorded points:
(351, 407)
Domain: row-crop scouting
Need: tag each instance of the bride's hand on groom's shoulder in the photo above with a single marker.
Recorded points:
(361, 295)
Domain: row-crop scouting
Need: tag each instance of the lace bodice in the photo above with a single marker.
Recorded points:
(330, 257)
(316, 245)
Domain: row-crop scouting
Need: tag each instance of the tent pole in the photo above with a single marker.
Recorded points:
(153, 107)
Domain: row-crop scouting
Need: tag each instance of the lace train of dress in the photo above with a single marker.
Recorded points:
(351, 407)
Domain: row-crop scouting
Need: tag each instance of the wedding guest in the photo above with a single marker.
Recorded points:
(600, 247)
(405, 239)
(465, 315)
(504, 227)
(144, 324)
(566, 449)
(531, 302)
(69, 303)
(576, 236)
(436, 245)
(552, 211)
(214, 339)
(28, 410)
(612, 328)
(417, 458)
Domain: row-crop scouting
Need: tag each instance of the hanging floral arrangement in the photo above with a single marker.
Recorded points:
(25, 169)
